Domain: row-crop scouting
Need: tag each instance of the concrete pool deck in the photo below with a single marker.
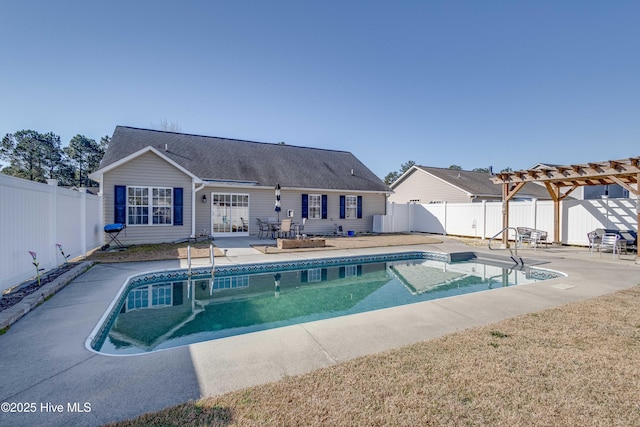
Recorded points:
(47, 370)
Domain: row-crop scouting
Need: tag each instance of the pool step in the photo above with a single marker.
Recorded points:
(496, 260)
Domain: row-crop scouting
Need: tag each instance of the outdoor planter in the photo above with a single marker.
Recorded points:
(302, 243)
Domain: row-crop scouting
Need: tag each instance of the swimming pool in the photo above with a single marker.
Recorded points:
(169, 308)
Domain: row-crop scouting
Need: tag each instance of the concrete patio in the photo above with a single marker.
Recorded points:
(47, 366)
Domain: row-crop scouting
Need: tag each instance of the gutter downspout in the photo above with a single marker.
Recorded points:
(193, 206)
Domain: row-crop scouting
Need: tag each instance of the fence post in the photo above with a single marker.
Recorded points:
(445, 218)
(484, 219)
(83, 220)
(53, 222)
(100, 216)
(393, 217)
(534, 205)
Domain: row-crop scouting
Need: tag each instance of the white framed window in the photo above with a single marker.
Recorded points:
(162, 205)
(149, 206)
(351, 207)
(137, 205)
(315, 206)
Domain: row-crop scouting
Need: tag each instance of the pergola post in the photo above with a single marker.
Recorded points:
(555, 195)
(505, 214)
(507, 194)
(637, 193)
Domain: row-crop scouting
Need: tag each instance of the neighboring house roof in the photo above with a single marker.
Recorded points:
(544, 166)
(231, 160)
(477, 183)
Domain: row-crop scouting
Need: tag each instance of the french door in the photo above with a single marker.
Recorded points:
(229, 214)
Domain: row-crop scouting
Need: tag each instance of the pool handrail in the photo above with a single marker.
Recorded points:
(211, 258)
(521, 262)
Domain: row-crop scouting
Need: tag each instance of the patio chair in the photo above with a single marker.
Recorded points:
(524, 234)
(274, 226)
(285, 228)
(611, 241)
(594, 241)
(263, 227)
(535, 239)
(300, 228)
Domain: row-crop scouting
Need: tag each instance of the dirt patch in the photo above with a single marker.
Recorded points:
(154, 252)
(168, 251)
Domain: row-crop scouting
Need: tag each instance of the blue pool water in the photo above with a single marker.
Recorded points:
(170, 308)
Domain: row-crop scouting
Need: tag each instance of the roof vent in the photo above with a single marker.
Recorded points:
(351, 172)
(166, 147)
(458, 175)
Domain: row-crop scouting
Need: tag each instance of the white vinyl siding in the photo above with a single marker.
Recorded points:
(262, 206)
(423, 187)
(148, 170)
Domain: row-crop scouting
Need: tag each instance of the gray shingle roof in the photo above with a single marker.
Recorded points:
(213, 158)
(479, 183)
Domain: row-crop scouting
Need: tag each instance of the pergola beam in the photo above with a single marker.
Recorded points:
(582, 174)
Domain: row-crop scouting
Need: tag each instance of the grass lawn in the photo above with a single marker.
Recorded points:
(575, 365)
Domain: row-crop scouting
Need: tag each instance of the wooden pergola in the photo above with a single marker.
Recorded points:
(560, 181)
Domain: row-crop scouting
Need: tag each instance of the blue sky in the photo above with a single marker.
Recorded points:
(472, 83)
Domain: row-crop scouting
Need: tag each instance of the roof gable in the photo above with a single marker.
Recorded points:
(477, 183)
(95, 175)
(264, 164)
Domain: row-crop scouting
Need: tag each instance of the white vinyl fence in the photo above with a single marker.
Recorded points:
(35, 217)
(484, 220)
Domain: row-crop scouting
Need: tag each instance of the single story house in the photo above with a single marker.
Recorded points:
(422, 184)
(168, 186)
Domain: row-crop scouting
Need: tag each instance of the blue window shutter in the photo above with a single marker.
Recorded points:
(324, 206)
(177, 294)
(177, 206)
(305, 206)
(120, 204)
(359, 206)
(342, 207)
